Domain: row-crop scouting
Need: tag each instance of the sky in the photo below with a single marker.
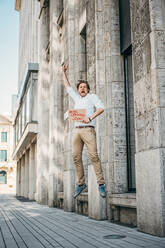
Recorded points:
(9, 34)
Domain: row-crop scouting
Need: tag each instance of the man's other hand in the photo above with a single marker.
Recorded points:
(86, 120)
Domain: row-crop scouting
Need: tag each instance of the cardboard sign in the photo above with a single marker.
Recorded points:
(77, 114)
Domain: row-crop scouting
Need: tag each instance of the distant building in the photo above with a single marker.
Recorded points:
(7, 164)
(119, 47)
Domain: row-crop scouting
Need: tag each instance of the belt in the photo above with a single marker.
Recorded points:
(84, 126)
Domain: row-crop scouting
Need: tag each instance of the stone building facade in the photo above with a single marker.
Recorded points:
(118, 46)
(7, 164)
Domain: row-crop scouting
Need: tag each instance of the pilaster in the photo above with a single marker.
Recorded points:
(43, 109)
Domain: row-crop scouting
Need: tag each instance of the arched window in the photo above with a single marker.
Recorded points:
(3, 177)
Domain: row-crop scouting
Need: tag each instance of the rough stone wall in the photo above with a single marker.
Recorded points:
(148, 36)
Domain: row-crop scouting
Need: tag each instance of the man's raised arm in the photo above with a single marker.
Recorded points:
(66, 81)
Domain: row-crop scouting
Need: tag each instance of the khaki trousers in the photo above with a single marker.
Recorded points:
(86, 136)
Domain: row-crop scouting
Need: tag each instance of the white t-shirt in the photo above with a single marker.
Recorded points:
(90, 103)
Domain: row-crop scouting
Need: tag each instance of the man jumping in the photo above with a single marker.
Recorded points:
(84, 132)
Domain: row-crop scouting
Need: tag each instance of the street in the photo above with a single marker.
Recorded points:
(25, 223)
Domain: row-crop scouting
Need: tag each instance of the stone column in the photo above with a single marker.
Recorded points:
(105, 73)
(18, 178)
(56, 127)
(98, 210)
(31, 171)
(95, 204)
(43, 110)
(69, 46)
(22, 175)
(35, 190)
(148, 34)
(113, 141)
(26, 193)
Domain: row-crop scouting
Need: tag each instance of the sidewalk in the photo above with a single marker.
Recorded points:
(28, 224)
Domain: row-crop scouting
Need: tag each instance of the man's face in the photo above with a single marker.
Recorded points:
(83, 89)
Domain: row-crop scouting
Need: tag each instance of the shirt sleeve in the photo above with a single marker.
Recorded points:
(97, 102)
(73, 94)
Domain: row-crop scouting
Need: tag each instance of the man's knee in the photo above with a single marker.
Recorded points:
(94, 157)
(76, 157)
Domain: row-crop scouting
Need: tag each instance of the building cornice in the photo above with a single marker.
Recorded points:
(17, 5)
(31, 67)
(6, 120)
(26, 139)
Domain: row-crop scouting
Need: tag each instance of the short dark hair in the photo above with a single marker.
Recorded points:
(81, 81)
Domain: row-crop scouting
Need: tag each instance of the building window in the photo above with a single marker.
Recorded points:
(60, 26)
(3, 136)
(125, 25)
(3, 177)
(126, 51)
(17, 129)
(83, 60)
(60, 19)
(3, 155)
(130, 128)
(23, 116)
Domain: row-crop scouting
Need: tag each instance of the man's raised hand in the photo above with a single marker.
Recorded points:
(64, 68)
(66, 81)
